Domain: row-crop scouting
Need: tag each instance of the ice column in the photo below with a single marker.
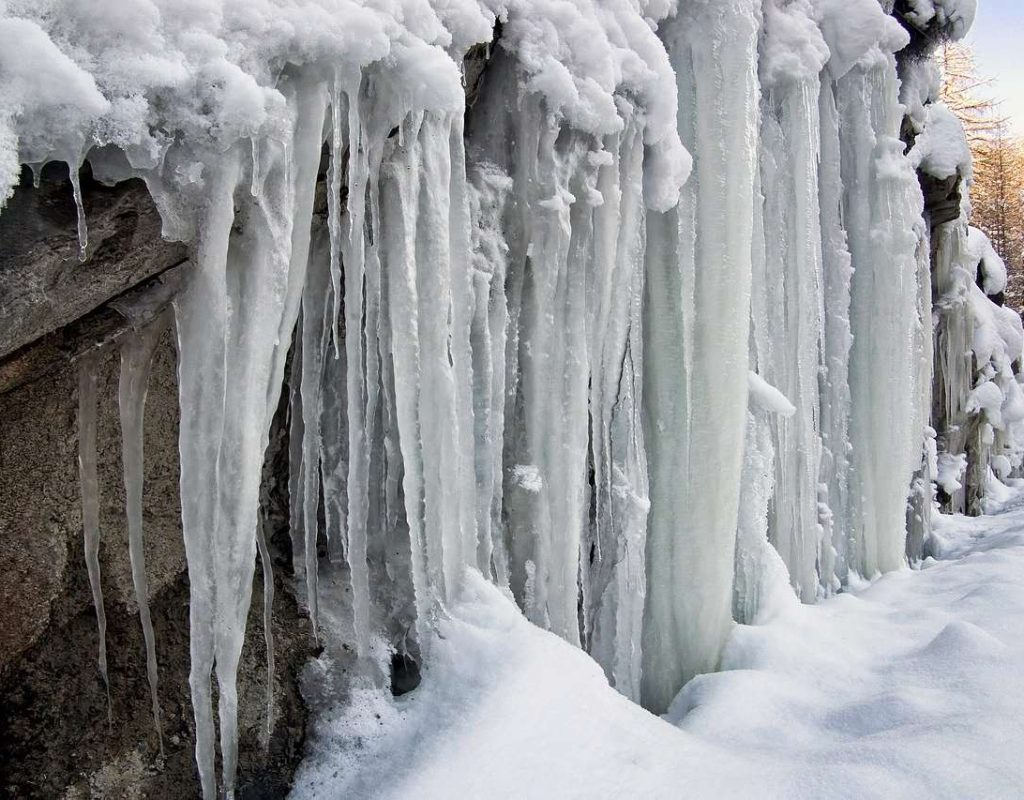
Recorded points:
(834, 382)
(696, 321)
(788, 301)
(883, 210)
(613, 568)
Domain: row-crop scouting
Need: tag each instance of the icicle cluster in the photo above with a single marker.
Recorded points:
(520, 343)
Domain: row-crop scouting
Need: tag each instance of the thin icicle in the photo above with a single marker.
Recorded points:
(89, 486)
(334, 198)
(136, 362)
(76, 191)
(268, 626)
(256, 183)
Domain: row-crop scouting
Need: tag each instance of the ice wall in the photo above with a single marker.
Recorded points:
(522, 342)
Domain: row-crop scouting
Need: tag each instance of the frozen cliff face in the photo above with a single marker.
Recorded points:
(643, 335)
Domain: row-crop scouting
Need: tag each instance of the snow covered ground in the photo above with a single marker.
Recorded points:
(910, 687)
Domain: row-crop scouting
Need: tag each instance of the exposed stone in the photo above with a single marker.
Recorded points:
(55, 740)
(43, 286)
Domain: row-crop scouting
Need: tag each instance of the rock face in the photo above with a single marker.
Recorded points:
(55, 737)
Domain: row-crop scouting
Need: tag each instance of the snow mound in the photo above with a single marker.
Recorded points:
(505, 710)
(908, 688)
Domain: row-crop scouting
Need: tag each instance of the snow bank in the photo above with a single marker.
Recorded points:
(504, 709)
(854, 697)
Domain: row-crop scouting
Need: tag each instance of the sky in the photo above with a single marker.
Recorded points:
(998, 42)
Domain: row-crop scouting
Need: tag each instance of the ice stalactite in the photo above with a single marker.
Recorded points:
(136, 360)
(834, 379)
(788, 301)
(696, 323)
(425, 258)
(268, 629)
(546, 429)
(883, 213)
(233, 325)
(89, 487)
(558, 369)
(490, 188)
(613, 556)
(82, 226)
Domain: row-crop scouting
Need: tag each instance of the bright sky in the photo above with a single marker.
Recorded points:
(998, 42)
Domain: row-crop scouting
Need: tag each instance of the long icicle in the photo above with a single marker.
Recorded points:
(89, 485)
(136, 362)
(268, 631)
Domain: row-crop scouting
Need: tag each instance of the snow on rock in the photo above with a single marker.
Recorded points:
(956, 16)
(941, 149)
(988, 264)
(856, 31)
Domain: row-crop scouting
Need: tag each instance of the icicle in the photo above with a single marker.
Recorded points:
(490, 195)
(89, 487)
(789, 344)
(334, 196)
(268, 624)
(835, 384)
(136, 361)
(76, 191)
(234, 324)
(359, 435)
(613, 568)
(296, 464)
(546, 422)
(314, 333)
(400, 214)
(254, 186)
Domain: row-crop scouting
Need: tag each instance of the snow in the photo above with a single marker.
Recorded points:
(957, 16)
(908, 687)
(987, 262)
(941, 149)
(767, 397)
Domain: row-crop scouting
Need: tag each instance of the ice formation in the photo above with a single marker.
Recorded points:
(136, 359)
(641, 333)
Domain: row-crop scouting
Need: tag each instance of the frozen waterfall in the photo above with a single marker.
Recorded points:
(641, 331)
